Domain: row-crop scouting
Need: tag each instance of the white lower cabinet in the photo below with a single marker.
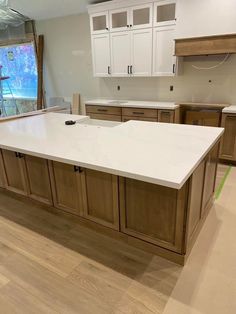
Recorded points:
(101, 55)
(141, 52)
(164, 61)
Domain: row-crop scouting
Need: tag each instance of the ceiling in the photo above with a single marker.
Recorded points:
(45, 9)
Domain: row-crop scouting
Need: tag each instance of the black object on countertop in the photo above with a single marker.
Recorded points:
(70, 122)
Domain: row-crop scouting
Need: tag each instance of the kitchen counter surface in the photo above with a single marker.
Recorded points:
(159, 153)
(133, 104)
(230, 109)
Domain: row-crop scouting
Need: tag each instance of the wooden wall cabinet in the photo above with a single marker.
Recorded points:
(66, 187)
(100, 198)
(228, 143)
(14, 165)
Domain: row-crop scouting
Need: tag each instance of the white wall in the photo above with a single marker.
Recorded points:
(68, 69)
(198, 18)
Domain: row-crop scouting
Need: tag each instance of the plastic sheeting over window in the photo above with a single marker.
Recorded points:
(11, 22)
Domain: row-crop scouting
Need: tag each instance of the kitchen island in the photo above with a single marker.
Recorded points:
(149, 184)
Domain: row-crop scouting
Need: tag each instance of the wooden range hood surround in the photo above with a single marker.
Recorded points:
(210, 45)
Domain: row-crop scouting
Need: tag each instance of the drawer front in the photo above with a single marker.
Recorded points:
(166, 116)
(139, 112)
(103, 110)
(126, 118)
(108, 117)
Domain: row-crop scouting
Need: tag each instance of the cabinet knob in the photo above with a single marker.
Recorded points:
(107, 28)
(128, 26)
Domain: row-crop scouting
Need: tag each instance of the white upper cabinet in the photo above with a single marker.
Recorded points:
(164, 61)
(101, 55)
(120, 54)
(141, 52)
(141, 16)
(119, 20)
(164, 13)
(99, 23)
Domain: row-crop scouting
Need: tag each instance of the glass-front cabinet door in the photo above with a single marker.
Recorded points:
(120, 20)
(165, 13)
(99, 22)
(142, 16)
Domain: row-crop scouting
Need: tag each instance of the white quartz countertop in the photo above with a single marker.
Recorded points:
(132, 103)
(159, 153)
(230, 109)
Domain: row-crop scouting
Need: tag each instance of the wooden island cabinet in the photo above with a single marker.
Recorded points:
(157, 218)
(228, 144)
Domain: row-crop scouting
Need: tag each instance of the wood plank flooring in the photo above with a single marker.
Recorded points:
(50, 264)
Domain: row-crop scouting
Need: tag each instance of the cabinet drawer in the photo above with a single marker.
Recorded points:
(103, 110)
(126, 118)
(166, 116)
(139, 112)
(108, 117)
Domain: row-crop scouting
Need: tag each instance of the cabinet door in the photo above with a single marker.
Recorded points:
(120, 54)
(142, 16)
(14, 165)
(166, 116)
(210, 178)
(228, 144)
(141, 52)
(164, 61)
(165, 13)
(2, 172)
(99, 22)
(37, 173)
(66, 187)
(100, 198)
(101, 55)
(120, 20)
(153, 213)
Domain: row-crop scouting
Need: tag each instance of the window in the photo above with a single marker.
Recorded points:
(19, 91)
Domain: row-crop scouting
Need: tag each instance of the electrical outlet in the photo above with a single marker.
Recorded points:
(118, 87)
(171, 88)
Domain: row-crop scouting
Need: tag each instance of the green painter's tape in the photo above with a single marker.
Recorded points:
(222, 183)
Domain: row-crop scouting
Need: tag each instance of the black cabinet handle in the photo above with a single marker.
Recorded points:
(20, 155)
(128, 26)
(131, 69)
(173, 68)
(135, 112)
(107, 28)
(109, 70)
(78, 169)
(17, 155)
(128, 69)
(102, 110)
(131, 25)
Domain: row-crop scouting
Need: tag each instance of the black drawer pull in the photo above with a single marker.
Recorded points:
(78, 169)
(102, 110)
(136, 112)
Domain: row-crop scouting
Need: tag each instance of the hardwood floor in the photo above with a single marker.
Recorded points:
(50, 264)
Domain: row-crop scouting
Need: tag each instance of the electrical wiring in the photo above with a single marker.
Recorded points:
(215, 66)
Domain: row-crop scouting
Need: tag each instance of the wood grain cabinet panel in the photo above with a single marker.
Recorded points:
(153, 213)
(126, 118)
(66, 187)
(103, 110)
(228, 144)
(166, 116)
(203, 117)
(14, 165)
(139, 112)
(2, 172)
(100, 198)
(38, 180)
(108, 117)
(210, 178)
